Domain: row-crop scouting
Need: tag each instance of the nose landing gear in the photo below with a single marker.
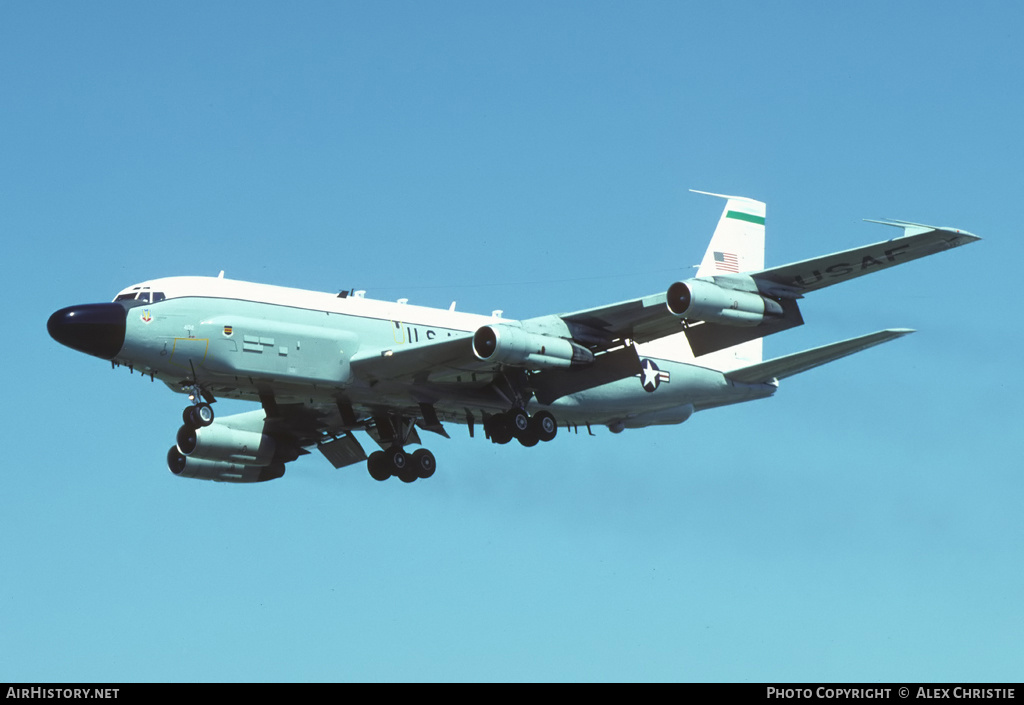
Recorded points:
(198, 415)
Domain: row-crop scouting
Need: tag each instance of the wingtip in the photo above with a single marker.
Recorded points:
(912, 228)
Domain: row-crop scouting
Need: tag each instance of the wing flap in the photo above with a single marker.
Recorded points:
(706, 338)
(342, 452)
(550, 385)
(788, 365)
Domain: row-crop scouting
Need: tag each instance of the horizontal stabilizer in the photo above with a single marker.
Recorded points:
(788, 365)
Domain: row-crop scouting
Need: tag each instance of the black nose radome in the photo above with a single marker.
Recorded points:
(96, 329)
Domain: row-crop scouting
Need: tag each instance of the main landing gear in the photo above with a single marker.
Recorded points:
(394, 432)
(407, 467)
(528, 430)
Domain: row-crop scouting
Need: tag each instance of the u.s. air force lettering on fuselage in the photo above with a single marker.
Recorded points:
(413, 334)
(844, 269)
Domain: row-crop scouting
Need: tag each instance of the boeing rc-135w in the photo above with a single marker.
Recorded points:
(324, 367)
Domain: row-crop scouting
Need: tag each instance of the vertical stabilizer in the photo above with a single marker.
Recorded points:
(738, 243)
(736, 246)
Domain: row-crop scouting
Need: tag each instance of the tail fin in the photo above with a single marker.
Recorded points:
(736, 246)
(738, 243)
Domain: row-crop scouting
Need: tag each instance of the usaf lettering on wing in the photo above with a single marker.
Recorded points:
(842, 269)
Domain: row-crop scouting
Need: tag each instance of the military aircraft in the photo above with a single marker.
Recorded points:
(325, 366)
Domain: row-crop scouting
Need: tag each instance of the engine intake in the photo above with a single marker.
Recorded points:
(707, 301)
(510, 345)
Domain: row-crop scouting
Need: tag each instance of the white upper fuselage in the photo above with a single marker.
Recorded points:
(350, 305)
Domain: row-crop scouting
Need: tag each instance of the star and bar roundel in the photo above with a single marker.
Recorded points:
(650, 376)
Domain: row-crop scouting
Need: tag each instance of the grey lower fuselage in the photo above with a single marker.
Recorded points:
(302, 352)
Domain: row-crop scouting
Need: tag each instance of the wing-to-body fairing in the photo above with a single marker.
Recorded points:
(325, 367)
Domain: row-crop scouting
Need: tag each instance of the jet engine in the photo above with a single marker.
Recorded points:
(706, 301)
(222, 443)
(219, 471)
(511, 345)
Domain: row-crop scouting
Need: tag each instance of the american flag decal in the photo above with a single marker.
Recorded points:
(726, 262)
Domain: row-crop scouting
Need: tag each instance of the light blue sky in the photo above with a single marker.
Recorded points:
(864, 524)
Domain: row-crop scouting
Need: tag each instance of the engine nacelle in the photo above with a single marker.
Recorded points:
(222, 443)
(218, 471)
(511, 345)
(707, 301)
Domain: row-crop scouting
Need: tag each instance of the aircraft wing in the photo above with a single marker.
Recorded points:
(794, 280)
(451, 360)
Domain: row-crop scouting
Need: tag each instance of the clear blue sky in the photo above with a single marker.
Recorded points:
(864, 524)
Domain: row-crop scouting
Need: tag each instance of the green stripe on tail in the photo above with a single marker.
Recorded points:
(737, 215)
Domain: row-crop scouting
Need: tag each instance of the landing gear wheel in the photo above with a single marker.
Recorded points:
(423, 463)
(378, 466)
(401, 467)
(198, 416)
(544, 425)
(501, 429)
(520, 421)
(397, 459)
(204, 414)
(523, 428)
(528, 437)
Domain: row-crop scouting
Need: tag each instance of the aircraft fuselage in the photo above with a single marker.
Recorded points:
(251, 341)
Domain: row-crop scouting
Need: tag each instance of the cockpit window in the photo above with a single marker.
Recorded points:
(145, 296)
